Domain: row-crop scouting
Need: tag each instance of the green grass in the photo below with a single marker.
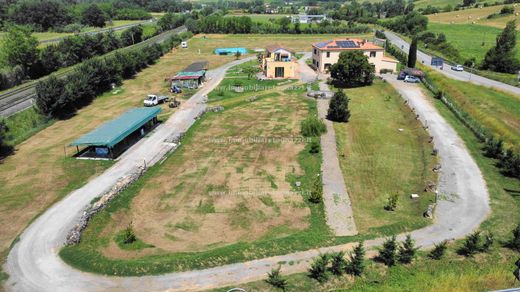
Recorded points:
(24, 124)
(387, 161)
(471, 40)
(495, 110)
(484, 272)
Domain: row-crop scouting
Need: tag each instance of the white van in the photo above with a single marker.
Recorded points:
(184, 45)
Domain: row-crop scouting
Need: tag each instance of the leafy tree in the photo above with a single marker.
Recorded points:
(388, 253)
(41, 15)
(407, 250)
(471, 244)
(319, 268)
(19, 48)
(501, 57)
(284, 23)
(4, 148)
(353, 69)
(93, 16)
(439, 250)
(275, 279)
(514, 243)
(132, 36)
(250, 71)
(48, 92)
(468, 2)
(356, 264)
(338, 108)
(412, 53)
(317, 191)
(338, 263)
(237, 55)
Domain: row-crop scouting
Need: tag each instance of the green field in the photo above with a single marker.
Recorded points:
(497, 111)
(471, 40)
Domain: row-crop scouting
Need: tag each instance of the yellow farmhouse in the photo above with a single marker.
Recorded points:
(324, 54)
(278, 62)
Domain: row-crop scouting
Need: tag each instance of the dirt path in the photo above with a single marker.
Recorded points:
(33, 264)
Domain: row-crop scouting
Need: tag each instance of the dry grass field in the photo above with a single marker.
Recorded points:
(476, 16)
(38, 173)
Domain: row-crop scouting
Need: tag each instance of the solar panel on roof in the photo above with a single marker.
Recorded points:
(347, 44)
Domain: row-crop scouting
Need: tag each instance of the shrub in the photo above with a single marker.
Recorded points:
(312, 126)
(388, 253)
(407, 250)
(338, 108)
(471, 244)
(338, 263)
(319, 267)
(317, 191)
(514, 243)
(314, 147)
(391, 203)
(129, 235)
(275, 279)
(439, 250)
(356, 264)
(489, 239)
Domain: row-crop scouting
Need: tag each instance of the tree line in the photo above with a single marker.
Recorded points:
(42, 15)
(217, 23)
(61, 98)
(21, 55)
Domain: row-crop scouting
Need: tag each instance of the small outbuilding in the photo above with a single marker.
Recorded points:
(114, 137)
(230, 51)
(192, 76)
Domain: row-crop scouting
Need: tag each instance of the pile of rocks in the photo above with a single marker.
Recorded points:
(74, 235)
(215, 109)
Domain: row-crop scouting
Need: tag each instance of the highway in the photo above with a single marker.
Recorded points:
(21, 97)
(463, 76)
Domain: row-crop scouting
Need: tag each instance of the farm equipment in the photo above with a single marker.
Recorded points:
(174, 103)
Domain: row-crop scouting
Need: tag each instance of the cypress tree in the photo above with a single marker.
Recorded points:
(338, 108)
(501, 57)
(356, 265)
(412, 53)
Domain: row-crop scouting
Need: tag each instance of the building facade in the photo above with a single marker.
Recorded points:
(278, 62)
(303, 18)
(325, 54)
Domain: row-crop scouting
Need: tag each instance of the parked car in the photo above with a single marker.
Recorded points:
(411, 79)
(176, 89)
(153, 100)
(402, 75)
(457, 68)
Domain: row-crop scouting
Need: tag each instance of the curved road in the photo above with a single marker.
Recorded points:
(34, 265)
(463, 76)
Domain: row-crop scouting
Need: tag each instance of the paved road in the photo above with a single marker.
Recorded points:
(338, 208)
(33, 264)
(21, 97)
(464, 76)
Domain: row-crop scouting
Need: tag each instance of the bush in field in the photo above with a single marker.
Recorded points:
(471, 244)
(338, 264)
(275, 279)
(4, 149)
(129, 235)
(391, 203)
(407, 250)
(514, 243)
(315, 147)
(439, 250)
(317, 191)
(312, 126)
(356, 264)
(338, 108)
(489, 239)
(319, 268)
(388, 252)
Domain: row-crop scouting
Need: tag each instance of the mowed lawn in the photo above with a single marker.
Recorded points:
(378, 160)
(39, 173)
(497, 111)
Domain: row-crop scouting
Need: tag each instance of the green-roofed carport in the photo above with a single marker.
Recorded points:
(112, 133)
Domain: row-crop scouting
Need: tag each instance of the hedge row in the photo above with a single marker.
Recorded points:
(508, 160)
(61, 98)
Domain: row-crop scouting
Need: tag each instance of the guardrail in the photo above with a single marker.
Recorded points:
(17, 95)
